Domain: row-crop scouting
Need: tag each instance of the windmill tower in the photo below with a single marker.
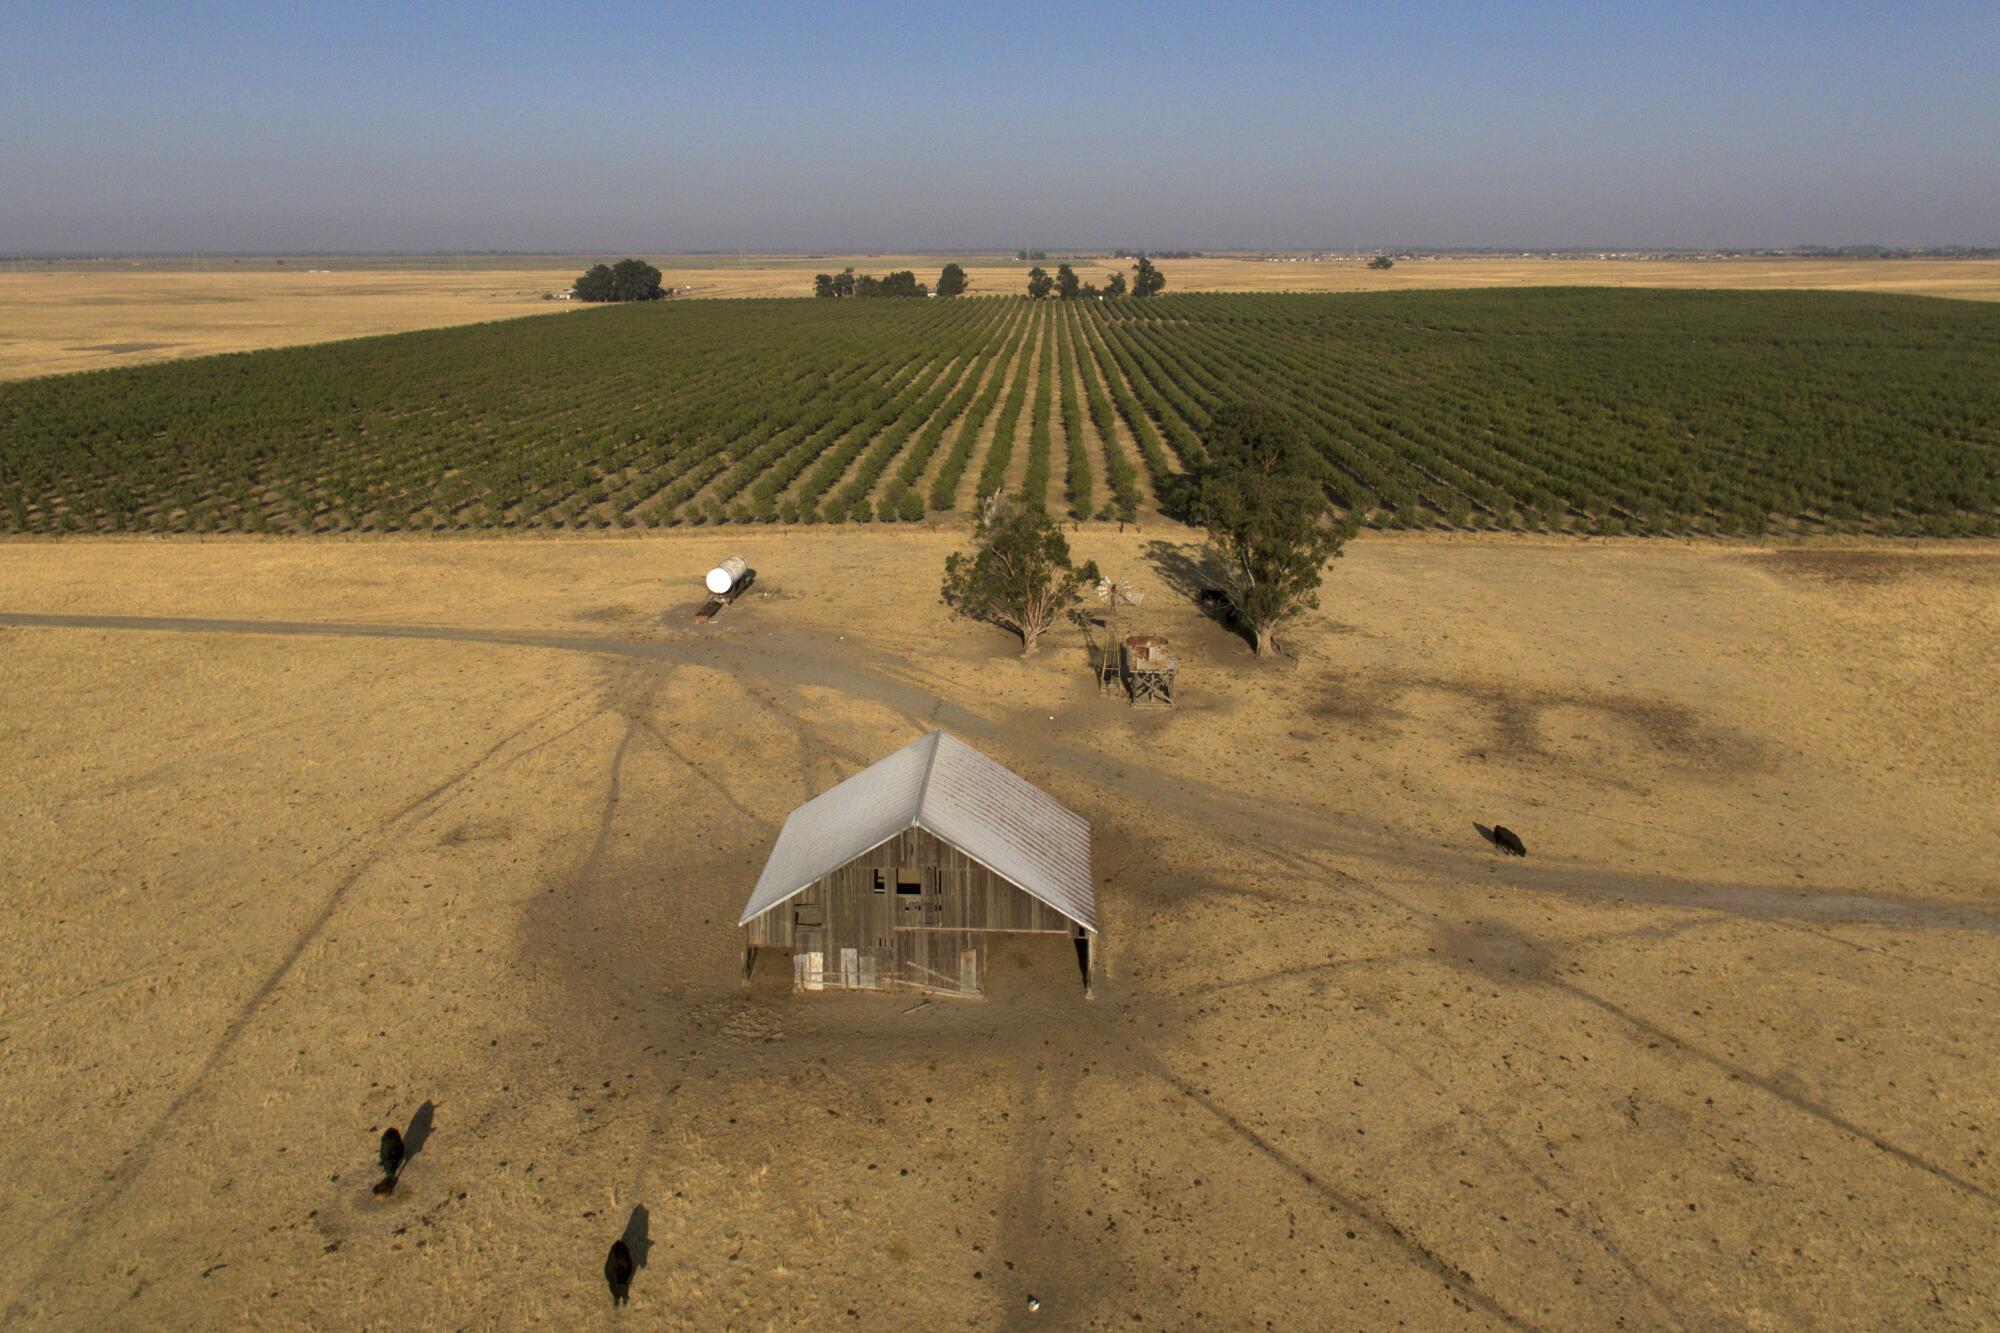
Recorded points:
(1114, 593)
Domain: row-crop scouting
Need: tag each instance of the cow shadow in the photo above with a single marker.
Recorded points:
(419, 1132)
(638, 1235)
(1486, 833)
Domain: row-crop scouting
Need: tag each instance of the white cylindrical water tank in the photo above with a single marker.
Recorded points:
(725, 575)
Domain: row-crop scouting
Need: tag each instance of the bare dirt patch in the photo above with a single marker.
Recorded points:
(307, 836)
(1594, 730)
(1874, 568)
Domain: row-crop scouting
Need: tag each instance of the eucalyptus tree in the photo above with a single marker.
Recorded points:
(1271, 526)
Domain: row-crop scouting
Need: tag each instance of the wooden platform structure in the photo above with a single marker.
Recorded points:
(1150, 671)
(898, 878)
(1137, 666)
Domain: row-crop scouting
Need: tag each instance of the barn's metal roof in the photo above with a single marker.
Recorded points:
(944, 786)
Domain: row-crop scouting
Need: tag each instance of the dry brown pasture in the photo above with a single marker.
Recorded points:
(88, 316)
(60, 319)
(305, 835)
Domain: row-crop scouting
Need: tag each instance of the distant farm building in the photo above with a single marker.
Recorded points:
(898, 878)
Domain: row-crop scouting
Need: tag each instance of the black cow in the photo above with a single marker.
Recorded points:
(618, 1272)
(1508, 841)
(392, 1160)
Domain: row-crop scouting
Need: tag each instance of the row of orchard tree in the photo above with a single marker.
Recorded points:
(1147, 280)
(951, 282)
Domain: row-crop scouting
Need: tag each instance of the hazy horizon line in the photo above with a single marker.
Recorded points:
(1942, 248)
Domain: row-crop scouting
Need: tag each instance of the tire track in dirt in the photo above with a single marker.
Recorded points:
(122, 1177)
(1646, 1028)
(653, 730)
(1662, 1303)
(804, 659)
(1457, 1281)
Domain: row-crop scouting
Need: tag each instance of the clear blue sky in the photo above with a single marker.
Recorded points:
(180, 124)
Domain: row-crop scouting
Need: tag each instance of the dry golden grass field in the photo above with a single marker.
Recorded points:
(56, 318)
(304, 836)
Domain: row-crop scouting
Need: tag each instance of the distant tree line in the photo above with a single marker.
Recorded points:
(627, 280)
(1156, 254)
(951, 282)
(1065, 286)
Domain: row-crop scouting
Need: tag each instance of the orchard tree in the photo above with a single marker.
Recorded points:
(1146, 280)
(951, 282)
(1017, 575)
(1039, 283)
(1067, 286)
(1115, 285)
(1271, 527)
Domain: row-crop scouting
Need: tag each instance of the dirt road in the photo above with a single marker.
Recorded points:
(310, 835)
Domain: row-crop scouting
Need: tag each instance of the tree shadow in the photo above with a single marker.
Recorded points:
(638, 1235)
(1199, 578)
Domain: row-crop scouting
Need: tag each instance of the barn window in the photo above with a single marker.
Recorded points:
(808, 914)
(881, 885)
(909, 884)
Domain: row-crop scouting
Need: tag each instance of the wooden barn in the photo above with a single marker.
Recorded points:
(898, 878)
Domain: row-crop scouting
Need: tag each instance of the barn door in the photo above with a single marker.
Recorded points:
(809, 960)
(946, 961)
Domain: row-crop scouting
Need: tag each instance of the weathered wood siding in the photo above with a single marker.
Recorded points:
(913, 910)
